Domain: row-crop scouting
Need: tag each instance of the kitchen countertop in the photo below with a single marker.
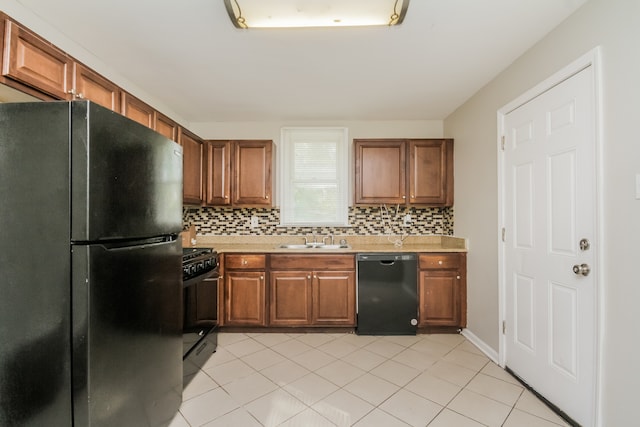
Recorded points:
(271, 244)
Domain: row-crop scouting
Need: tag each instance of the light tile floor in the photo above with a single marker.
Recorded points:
(317, 380)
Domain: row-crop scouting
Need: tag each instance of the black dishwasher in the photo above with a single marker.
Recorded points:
(387, 293)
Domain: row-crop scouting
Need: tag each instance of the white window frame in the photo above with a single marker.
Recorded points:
(288, 136)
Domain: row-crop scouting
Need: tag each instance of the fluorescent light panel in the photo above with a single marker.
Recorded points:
(315, 13)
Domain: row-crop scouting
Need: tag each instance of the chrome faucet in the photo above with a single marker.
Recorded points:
(306, 240)
(330, 237)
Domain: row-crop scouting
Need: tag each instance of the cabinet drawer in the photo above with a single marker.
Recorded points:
(244, 261)
(439, 261)
(313, 262)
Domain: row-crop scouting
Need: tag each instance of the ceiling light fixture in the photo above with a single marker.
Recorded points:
(315, 13)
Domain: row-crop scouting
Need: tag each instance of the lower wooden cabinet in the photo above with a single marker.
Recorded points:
(312, 290)
(319, 290)
(290, 298)
(244, 290)
(334, 298)
(442, 290)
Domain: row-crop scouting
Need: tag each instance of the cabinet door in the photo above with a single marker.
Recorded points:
(167, 127)
(245, 298)
(334, 298)
(440, 298)
(218, 173)
(138, 110)
(380, 171)
(92, 86)
(431, 172)
(192, 150)
(252, 173)
(290, 301)
(36, 63)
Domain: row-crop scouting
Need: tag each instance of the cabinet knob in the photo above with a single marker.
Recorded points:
(308, 277)
(244, 262)
(266, 197)
(458, 277)
(71, 92)
(80, 95)
(226, 197)
(404, 197)
(440, 262)
(315, 277)
(413, 196)
(261, 277)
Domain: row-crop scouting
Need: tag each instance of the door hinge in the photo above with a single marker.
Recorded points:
(504, 327)
(504, 234)
(502, 142)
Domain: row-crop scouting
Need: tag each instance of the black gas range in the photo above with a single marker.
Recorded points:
(197, 264)
(200, 275)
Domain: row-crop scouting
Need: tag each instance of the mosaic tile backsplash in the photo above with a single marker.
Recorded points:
(364, 221)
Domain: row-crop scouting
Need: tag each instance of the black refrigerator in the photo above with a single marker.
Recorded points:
(90, 268)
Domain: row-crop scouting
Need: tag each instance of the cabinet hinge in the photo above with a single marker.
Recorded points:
(504, 234)
(504, 327)
(502, 142)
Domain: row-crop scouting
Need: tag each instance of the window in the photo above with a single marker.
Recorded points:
(313, 177)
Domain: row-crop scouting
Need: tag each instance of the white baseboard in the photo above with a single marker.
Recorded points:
(488, 351)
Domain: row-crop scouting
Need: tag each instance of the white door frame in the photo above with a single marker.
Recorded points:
(592, 58)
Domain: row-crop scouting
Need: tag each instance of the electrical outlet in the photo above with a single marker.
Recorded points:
(407, 221)
(254, 221)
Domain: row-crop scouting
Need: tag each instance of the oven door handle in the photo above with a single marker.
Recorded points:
(197, 279)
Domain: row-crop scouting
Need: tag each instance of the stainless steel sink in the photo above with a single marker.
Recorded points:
(314, 246)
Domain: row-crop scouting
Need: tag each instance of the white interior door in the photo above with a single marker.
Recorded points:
(549, 245)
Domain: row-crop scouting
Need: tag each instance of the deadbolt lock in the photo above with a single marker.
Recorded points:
(584, 244)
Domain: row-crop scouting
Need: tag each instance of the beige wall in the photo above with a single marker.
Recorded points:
(614, 25)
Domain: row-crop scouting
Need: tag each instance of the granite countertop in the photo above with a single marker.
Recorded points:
(271, 244)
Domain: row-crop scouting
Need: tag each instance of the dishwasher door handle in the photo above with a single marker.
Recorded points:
(387, 262)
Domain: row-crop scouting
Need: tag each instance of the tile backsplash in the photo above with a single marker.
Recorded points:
(363, 221)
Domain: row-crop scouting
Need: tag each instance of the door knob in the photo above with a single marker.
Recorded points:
(582, 269)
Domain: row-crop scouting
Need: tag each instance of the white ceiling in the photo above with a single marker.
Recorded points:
(189, 56)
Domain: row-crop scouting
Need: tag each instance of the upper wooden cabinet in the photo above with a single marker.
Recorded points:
(380, 171)
(192, 164)
(138, 110)
(238, 173)
(34, 62)
(404, 171)
(218, 173)
(87, 84)
(35, 66)
(431, 172)
(167, 127)
(252, 173)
